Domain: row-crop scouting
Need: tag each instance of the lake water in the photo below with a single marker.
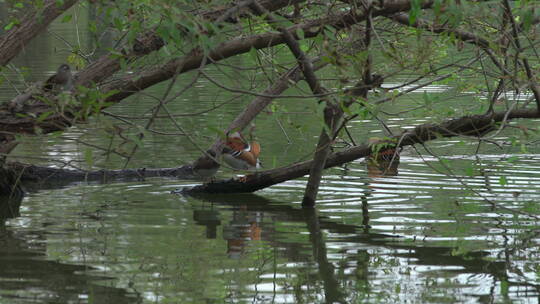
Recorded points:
(452, 225)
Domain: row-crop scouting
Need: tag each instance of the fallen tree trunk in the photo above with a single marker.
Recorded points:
(476, 126)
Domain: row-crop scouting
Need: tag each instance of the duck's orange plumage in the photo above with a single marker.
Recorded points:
(241, 155)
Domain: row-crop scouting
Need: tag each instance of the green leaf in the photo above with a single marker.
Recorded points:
(437, 7)
(445, 161)
(505, 287)
(44, 116)
(118, 24)
(253, 54)
(10, 25)
(92, 26)
(512, 159)
(415, 11)
(67, 18)
(503, 181)
(528, 18)
(300, 34)
(88, 157)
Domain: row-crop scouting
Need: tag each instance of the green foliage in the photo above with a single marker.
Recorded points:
(89, 157)
(75, 60)
(531, 208)
(91, 101)
(415, 11)
(11, 24)
(528, 18)
(44, 116)
(67, 18)
(505, 287)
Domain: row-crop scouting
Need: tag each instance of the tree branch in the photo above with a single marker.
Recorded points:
(14, 40)
(332, 112)
(149, 42)
(530, 76)
(464, 36)
(33, 121)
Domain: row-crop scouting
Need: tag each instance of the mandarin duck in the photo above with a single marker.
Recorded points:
(241, 155)
(61, 81)
(384, 152)
(205, 167)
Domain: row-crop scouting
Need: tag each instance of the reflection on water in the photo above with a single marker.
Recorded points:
(243, 227)
(28, 276)
(378, 235)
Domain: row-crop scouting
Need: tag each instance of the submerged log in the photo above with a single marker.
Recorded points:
(32, 173)
(10, 186)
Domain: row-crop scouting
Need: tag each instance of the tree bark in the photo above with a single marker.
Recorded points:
(14, 40)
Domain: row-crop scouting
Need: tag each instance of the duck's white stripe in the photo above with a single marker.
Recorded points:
(236, 153)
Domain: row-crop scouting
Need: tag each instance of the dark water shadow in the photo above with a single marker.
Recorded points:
(27, 276)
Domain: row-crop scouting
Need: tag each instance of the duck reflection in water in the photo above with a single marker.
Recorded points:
(380, 164)
(244, 227)
(210, 219)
